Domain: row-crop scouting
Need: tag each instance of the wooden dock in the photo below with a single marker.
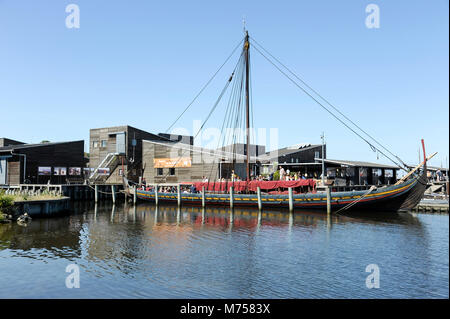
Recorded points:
(432, 206)
(74, 191)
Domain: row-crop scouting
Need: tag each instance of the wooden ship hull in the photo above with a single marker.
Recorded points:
(403, 196)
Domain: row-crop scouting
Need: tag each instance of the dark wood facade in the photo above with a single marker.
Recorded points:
(7, 142)
(23, 161)
(360, 173)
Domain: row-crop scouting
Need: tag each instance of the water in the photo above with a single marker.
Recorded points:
(127, 252)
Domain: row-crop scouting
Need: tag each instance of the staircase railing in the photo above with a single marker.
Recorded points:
(108, 162)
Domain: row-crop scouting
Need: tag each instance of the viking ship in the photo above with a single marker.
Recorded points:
(294, 194)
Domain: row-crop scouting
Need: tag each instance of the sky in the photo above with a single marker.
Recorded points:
(140, 63)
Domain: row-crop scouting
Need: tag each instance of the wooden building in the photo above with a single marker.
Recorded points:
(349, 173)
(116, 151)
(57, 163)
(7, 141)
(297, 158)
(172, 162)
(240, 148)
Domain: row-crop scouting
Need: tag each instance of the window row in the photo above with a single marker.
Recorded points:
(162, 172)
(103, 143)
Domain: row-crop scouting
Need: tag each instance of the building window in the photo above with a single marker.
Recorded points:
(95, 144)
(159, 171)
(172, 171)
(316, 154)
(104, 143)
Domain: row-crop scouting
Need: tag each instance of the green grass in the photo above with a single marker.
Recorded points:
(7, 201)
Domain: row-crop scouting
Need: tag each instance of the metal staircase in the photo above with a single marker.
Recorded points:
(110, 161)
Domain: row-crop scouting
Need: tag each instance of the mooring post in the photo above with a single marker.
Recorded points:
(134, 195)
(113, 193)
(231, 197)
(156, 194)
(258, 192)
(291, 199)
(328, 200)
(96, 193)
(179, 194)
(447, 190)
(203, 196)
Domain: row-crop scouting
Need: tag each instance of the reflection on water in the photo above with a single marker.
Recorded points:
(128, 251)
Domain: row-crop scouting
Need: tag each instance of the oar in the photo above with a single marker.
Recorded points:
(415, 169)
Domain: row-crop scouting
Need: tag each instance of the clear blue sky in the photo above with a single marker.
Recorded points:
(141, 62)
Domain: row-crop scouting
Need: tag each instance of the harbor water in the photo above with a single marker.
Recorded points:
(127, 251)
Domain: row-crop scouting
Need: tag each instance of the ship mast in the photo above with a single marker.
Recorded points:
(247, 102)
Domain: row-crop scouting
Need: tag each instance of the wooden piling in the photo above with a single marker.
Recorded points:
(203, 196)
(328, 189)
(134, 195)
(231, 197)
(156, 194)
(96, 193)
(291, 199)
(179, 195)
(113, 194)
(258, 192)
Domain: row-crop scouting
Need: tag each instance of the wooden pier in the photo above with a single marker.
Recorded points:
(432, 206)
(74, 191)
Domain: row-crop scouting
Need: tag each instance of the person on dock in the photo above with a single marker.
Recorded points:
(438, 175)
(282, 173)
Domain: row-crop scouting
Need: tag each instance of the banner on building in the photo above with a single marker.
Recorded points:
(172, 162)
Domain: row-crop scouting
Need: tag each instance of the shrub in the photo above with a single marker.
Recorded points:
(276, 176)
(6, 202)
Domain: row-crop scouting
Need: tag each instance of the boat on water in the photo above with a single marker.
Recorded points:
(405, 194)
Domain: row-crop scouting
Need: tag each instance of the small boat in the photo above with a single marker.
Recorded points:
(298, 194)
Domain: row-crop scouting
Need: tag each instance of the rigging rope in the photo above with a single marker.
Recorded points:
(207, 118)
(372, 188)
(233, 113)
(326, 109)
(204, 87)
(335, 108)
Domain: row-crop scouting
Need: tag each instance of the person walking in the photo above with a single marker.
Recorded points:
(282, 173)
